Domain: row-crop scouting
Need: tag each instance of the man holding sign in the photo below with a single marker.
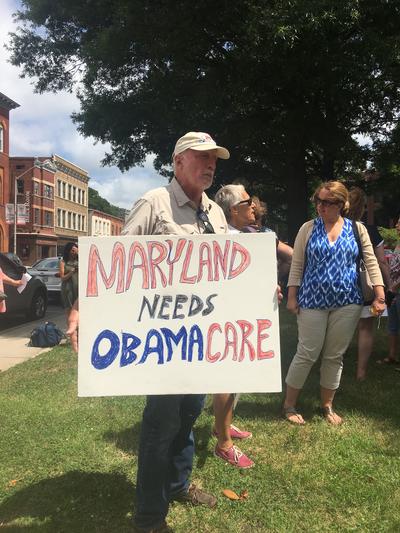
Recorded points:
(166, 334)
(166, 442)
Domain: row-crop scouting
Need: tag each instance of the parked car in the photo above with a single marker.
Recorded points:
(32, 301)
(48, 271)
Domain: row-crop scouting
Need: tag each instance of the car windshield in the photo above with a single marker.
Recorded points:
(49, 263)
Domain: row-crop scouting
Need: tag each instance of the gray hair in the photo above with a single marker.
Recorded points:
(228, 196)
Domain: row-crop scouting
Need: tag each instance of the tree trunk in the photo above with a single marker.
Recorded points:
(297, 194)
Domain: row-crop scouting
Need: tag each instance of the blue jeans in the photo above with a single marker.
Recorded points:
(166, 453)
(394, 316)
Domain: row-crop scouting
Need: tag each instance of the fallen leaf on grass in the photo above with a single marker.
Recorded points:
(230, 494)
(233, 496)
(12, 483)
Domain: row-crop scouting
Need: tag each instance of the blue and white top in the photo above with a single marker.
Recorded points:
(330, 279)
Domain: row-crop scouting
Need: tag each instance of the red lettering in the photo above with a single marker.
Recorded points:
(186, 262)
(261, 326)
(205, 262)
(220, 259)
(245, 260)
(94, 261)
(155, 261)
(247, 330)
(212, 358)
(137, 248)
(170, 261)
(233, 343)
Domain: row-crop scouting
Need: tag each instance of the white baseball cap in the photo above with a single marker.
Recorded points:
(197, 140)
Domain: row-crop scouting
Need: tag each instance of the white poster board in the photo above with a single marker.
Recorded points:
(178, 315)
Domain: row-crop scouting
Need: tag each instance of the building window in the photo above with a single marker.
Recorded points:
(83, 198)
(1, 186)
(20, 186)
(25, 251)
(36, 188)
(74, 194)
(73, 220)
(59, 187)
(36, 216)
(1, 138)
(58, 217)
(79, 222)
(64, 188)
(48, 191)
(63, 218)
(83, 223)
(48, 218)
(79, 196)
(69, 192)
(69, 220)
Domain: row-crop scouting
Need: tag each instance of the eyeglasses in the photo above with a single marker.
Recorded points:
(249, 201)
(324, 203)
(205, 221)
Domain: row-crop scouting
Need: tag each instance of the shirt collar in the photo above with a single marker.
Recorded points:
(182, 199)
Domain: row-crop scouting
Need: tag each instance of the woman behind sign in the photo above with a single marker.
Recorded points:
(325, 294)
(367, 321)
(69, 276)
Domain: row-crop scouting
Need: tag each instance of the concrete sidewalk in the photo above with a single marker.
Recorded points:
(14, 347)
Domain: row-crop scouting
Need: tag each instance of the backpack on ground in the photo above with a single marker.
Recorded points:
(46, 335)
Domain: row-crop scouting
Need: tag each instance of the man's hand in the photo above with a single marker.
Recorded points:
(279, 294)
(73, 326)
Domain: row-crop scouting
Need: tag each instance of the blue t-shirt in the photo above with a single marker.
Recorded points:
(330, 279)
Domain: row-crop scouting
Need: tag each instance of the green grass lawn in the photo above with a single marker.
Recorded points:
(69, 464)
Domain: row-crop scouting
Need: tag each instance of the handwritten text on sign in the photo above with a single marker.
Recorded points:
(178, 315)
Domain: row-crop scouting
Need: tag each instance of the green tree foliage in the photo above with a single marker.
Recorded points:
(285, 84)
(386, 160)
(101, 204)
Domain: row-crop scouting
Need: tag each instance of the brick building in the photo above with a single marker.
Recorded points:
(71, 202)
(34, 178)
(103, 224)
(6, 105)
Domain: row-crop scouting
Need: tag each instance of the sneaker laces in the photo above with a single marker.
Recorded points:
(237, 453)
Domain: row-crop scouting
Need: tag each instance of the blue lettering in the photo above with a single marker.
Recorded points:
(128, 356)
(196, 337)
(158, 348)
(171, 337)
(103, 361)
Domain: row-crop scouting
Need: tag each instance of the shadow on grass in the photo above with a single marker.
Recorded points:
(126, 440)
(74, 502)
(202, 436)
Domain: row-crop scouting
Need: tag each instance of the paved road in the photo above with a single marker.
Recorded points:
(14, 337)
(7, 322)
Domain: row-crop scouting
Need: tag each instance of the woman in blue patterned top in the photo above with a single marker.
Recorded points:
(324, 291)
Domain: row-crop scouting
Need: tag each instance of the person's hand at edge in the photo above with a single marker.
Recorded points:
(73, 326)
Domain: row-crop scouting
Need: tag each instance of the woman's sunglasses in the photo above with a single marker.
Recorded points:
(249, 201)
(324, 203)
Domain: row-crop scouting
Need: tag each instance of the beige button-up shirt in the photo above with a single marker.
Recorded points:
(168, 211)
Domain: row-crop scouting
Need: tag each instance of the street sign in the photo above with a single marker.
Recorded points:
(22, 214)
(9, 213)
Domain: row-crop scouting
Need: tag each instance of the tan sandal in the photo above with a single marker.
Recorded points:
(291, 411)
(327, 412)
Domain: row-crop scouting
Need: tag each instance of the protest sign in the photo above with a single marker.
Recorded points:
(178, 315)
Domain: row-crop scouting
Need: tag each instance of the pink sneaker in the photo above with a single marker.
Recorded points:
(237, 433)
(234, 456)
